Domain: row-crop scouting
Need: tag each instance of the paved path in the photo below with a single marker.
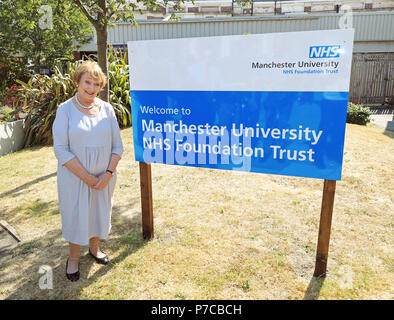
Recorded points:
(381, 119)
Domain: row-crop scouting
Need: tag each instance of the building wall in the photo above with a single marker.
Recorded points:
(201, 9)
(373, 31)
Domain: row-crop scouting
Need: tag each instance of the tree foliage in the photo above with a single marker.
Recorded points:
(40, 37)
(103, 13)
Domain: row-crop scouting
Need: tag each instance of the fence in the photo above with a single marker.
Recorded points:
(372, 79)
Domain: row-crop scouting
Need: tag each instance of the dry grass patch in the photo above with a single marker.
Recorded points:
(218, 234)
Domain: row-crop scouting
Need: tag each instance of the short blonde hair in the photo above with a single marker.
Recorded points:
(94, 71)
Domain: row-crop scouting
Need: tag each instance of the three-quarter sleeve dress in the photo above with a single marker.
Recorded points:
(85, 212)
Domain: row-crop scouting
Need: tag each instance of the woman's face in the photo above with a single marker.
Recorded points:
(88, 88)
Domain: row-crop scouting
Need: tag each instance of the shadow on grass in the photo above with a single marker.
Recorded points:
(52, 250)
(314, 287)
(26, 185)
(30, 210)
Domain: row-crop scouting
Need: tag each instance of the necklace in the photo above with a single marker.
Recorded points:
(83, 106)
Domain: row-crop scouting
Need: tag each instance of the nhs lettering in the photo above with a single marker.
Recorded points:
(324, 51)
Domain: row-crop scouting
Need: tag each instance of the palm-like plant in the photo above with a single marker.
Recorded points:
(41, 96)
(119, 87)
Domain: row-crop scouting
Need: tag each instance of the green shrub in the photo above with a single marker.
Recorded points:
(12, 68)
(8, 97)
(358, 114)
(5, 115)
(41, 96)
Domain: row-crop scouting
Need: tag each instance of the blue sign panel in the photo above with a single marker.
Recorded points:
(301, 134)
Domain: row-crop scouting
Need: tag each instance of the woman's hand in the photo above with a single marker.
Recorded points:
(91, 180)
(103, 180)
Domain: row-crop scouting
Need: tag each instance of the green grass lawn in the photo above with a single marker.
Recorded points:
(218, 234)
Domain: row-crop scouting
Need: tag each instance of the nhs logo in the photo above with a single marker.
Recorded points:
(324, 51)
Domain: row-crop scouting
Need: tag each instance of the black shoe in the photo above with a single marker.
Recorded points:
(72, 276)
(104, 260)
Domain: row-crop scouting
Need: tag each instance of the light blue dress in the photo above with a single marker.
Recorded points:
(85, 212)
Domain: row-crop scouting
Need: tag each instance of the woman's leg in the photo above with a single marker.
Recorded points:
(94, 247)
(73, 258)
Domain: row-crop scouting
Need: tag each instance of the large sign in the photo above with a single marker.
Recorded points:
(269, 103)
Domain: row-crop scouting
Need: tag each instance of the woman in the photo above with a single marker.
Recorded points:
(88, 146)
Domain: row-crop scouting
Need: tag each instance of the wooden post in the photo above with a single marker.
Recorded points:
(325, 228)
(146, 200)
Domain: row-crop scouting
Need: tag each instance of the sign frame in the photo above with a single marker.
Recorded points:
(326, 212)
